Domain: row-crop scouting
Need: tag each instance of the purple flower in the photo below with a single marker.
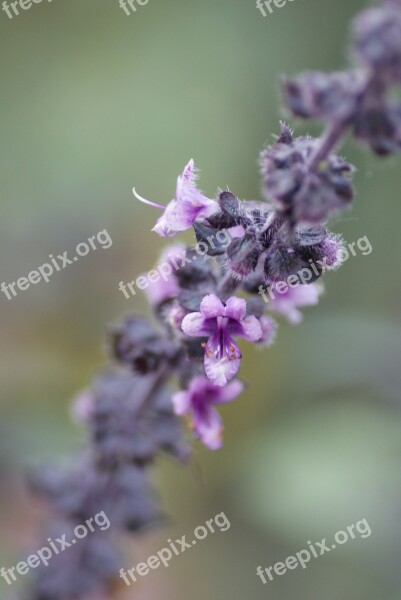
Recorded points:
(198, 401)
(165, 287)
(288, 303)
(220, 323)
(188, 205)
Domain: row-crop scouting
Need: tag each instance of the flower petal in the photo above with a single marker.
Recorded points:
(161, 290)
(287, 304)
(269, 330)
(221, 364)
(235, 308)
(188, 174)
(229, 392)
(195, 325)
(180, 214)
(162, 227)
(212, 307)
(186, 190)
(188, 205)
(209, 428)
(181, 402)
(249, 329)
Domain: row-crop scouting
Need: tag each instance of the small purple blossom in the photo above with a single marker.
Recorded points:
(221, 323)
(166, 286)
(288, 302)
(188, 205)
(199, 401)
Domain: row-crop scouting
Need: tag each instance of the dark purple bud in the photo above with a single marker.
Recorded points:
(242, 256)
(310, 236)
(221, 220)
(280, 156)
(282, 261)
(286, 134)
(252, 283)
(377, 41)
(313, 249)
(317, 94)
(301, 194)
(82, 571)
(283, 184)
(137, 344)
(330, 250)
(126, 428)
(208, 235)
(129, 499)
(190, 299)
(378, 124)
(230, 205)
(195, 273)
(256, 306)
(322, 194)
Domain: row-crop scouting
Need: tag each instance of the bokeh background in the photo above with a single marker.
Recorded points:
(94, 102)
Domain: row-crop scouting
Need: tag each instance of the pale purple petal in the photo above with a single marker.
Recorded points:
(188, 205)
(287, 304)
(167, 286)
(188, 174)
(199, 385)
(198, 401)
(195, 325)
(174, 315)
(221, 364)
(212, 307)
(162, 227)
(269, 330)
(236, 231)
(249, 329)
(83, 406)
(187, 192)
(229, 392)
(181, 402)
(235, 308)
(175, 251)
(209, 428)
(180, 215)
(164, 289)
(292, 314)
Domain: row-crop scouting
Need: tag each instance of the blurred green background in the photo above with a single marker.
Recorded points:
(94, 102)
